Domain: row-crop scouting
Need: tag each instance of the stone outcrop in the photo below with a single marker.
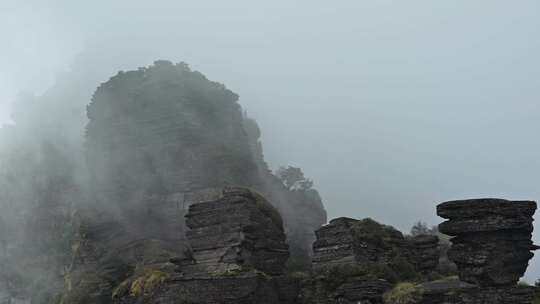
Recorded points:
(424, 253)
(159, 140)
(237, 255)
(159, 134)
(356, 261)
(491, 247)
(106, 252)
(334, 244)
(237, 231)
(346, 241)
(458, 292)
(241, 288)
(492, 239)
(361, 290)
(302, 209)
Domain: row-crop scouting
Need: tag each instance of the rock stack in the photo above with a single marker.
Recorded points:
(424, 253)
(238, 231)
(491, 247)
(362, 256)
(334, 244)
(492, 239)
(237, 255)
(346, 241)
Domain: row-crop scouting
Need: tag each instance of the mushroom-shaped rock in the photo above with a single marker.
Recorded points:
(491, 242)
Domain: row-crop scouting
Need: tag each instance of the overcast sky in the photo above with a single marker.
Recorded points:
(390, 106)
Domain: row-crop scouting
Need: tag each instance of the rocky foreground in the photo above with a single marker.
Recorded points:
(238, 254)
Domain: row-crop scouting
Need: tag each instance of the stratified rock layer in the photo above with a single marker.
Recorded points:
(456, 292)
(237, 231)
(334, 244)
(424, 252)
(243, 288)
(158, 134)
(238, 254)
(492, 239)
(361, 290)
(356, 261)
(346, 241)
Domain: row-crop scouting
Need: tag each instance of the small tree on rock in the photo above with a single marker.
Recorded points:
(293, 178)
(420, 228)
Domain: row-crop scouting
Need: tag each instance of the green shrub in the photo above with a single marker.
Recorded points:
(403, 269)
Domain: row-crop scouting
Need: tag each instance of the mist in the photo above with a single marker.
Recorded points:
(391, 107)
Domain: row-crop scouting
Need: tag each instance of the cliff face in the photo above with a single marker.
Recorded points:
(160, 133)
(163, 130)
(302, 209)
(159, 139)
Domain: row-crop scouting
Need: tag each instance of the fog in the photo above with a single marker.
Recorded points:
(391, 107)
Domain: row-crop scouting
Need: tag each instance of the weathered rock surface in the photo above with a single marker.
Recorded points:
(492, 239)
(237, 231)
(342, 286)
(237, 255)
(242, 288)
(158, 134)
(302, 209)
(457, 292)
(364, 258)
(105, 253)
(424, 252)
(361, 290)
(335, 243)
(346, 241)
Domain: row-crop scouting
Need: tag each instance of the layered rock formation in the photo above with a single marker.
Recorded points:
(159, 134)
(105, 252)
(458, 292)
(491, 248)
(334, 244)
(238, 254)
(158, 140)
(492, 244)
(302, 209)
(424, 253)
(237, 231)
(362, 289)
(346, 241)
(358, 260)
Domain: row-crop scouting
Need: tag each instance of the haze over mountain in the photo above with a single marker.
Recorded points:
(390, 106)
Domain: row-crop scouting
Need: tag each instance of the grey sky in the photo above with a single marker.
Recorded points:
(390, 106)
